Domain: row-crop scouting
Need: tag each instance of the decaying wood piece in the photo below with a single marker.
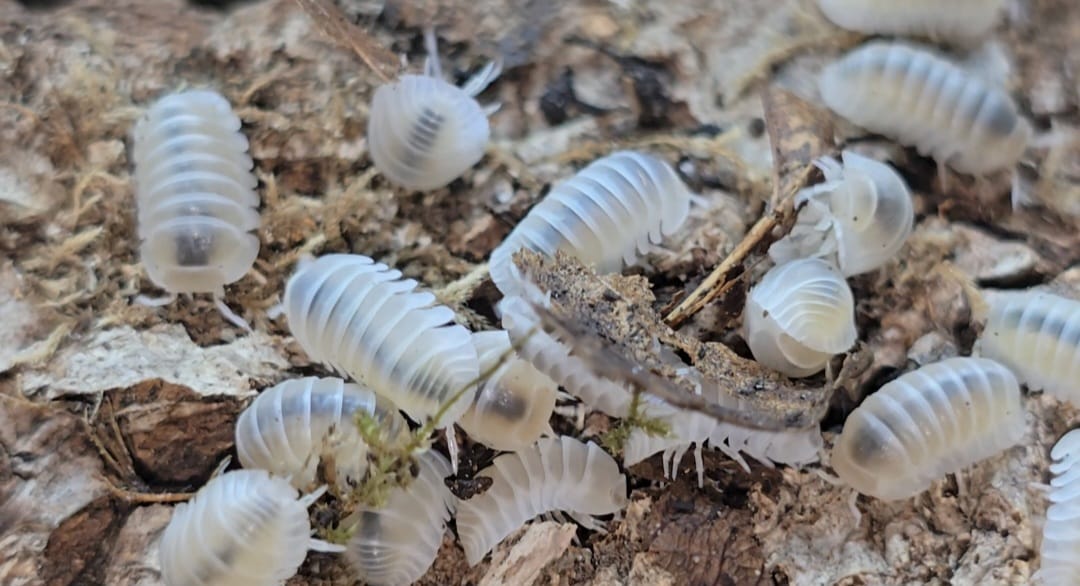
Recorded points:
(616, 330)
(798, 134)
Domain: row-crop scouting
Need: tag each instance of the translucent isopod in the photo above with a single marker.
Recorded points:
(553, 357)
(612, 211)
(243, 527)
(858, 219)
(513, 405)
(928, 423)
(424, 132)
(196, 195)
(557, 474)
(795, 447)
(1037, 335)
(294, 426)
(396, 544)
(923, 100)
(1060, 551)
(363, 319)
(798, 316)
(960, 20)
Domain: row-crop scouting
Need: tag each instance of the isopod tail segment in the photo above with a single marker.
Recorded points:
(219, 303)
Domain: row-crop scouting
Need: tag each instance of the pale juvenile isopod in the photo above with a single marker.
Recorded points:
(800, 315)
(294, 426)
(196, 196)
(859, 218)
(607, 215)
(924, 100)
(959, 20)
(513, 404)
(795, 447)
(361, 318)
(396, 544)
(557, 474)
(1060, 551)
(424, 132)
(1037, 335)
(553, 358)
(928, 423)
(243, 527)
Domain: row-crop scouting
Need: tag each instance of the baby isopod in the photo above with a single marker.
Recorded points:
(799, 316)
(923, 100)
(363, 319)
(292, 427)
(959, 20)
(1060, 550)
(243, 527)
(513, 405)
(928, 423)
(424, 132)
(396, 544)
(612, 211)
(557, 474)
(196, 196)
(1037, 335)
(858, 219)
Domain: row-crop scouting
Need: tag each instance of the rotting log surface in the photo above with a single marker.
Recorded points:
(88, 475)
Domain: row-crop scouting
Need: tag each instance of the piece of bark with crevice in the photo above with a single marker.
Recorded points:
(618, 310)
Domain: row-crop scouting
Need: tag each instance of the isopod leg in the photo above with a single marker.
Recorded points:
(699, 462)
(1020, 195)
(230, 315)
(324, 546)
(451, 446)
(855, 512)
(943, 177)
(310, 498)
(665, 460)
(483, 78)
(155, 301)
(432, 67)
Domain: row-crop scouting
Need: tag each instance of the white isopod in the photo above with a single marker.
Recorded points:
(928, 423)
(795, 447)
(424, 132)
(513, 405)
(1060, 551)
(1037, 335)
(396, 544)
(363, 319)
(960, 20)
(292, 427)
(243, 527)
(554, 358)
(923, 100)
(609, 213)
(799, 316)
(859, 218)
(557, 474)
(196, 196)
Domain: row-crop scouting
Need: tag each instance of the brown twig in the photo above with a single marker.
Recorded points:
(334, 24)
(798, 133)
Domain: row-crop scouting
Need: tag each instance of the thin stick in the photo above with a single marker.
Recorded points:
(334, 24)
